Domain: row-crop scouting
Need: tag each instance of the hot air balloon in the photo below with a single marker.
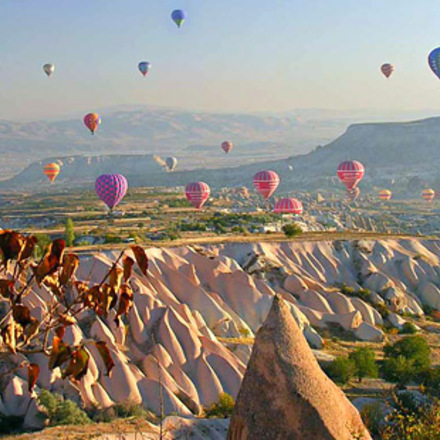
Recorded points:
(144, 67)
(111, 189)
(385, 195)
(266, 182)
(288, 206)
(51, 170)
(178, 17)
(197, 193)
(49, 69)
(350, 173)
(387, 69)
(434, 61)
(171, 163)
(92, 122)
(290, 167)
(428, 195)
(227, 146)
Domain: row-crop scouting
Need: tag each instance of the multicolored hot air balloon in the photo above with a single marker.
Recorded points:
(111, 189)
(387, 69)
(350, 173)
(197, 193)
(178, 17)
(227, 146)
(428, 195)
(434, 61)
(51, 170)
(266, 182)
(171, 163)
(92, 122)
(144, 67)
(288, 206)
(385, 195)
(49, 69)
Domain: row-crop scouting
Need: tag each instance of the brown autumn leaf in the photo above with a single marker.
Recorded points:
(78, 364)
(29, 246)
(141, 258)
(53, 284)
(12, 244)
(70, 266)
(107, 299)
(8, 335)
(60, 331)
(7, 288)
(51, 261)
(106, 356)
(125, 300)
(21, 314)
(127, 263)
(115, 278)
(59, 354)
(66, 320)
(33, 370)
(32, 329)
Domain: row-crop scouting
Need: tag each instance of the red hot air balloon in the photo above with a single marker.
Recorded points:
(385, 194)
(350, 173)
(266, 182)
(428, 195)
(387, 69)
(197, 193)
(288, 206)
(111, 189)
(227, 146)
(92, 121)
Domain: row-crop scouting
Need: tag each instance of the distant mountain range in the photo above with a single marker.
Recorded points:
(194, 137)
(401, 156)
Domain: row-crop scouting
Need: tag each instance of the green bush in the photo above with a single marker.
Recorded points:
(221, 409)
(414, 348)
(292, 229)
(62, 411)
(364, 360)
(399, 370)
(408, 329)
(382, 309)
(347, 290)
(341, 370)
(69, 232)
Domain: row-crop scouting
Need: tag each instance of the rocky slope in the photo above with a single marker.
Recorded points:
(195, 295)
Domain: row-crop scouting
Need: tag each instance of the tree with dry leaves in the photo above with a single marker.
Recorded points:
(22, 333)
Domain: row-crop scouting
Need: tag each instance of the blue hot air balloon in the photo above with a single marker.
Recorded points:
(144, 67)
(178, 17)
(434, 61)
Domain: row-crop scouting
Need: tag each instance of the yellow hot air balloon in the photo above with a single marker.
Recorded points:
(428, 194)
(52, 170)
(385, 194)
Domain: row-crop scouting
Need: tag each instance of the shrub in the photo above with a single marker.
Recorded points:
(292, 229)
(399, 370)
(69, 232)
(408, 329)
(62, 411)
(382, 309)
(341, 370)
(347, 290)
(373, 417)
(414, 348)
(364, 360)
(221, 409)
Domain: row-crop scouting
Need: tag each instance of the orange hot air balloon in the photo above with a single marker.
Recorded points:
(385, 195)
(92, 121)
(428, 195)
(52, 170)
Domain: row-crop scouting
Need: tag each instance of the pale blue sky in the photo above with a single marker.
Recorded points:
(230, 55)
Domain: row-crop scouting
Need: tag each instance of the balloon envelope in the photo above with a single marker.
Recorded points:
(428, 195)
(171, 163)
(266, 182)
(49, 69)
(227, 146)
(111, 188)
(144, 67)
(351, 173)
(385, 194)
(387, 69)
(197, 193)
(51, 170)
(92, 122)
(288, 206)
(178, 17)
(434, 61)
